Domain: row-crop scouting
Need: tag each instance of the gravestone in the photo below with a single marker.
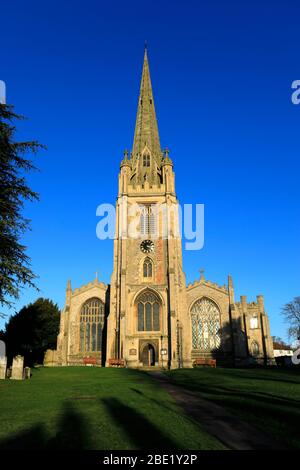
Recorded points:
(27, 373)
(2, 349)
(3, 363)
(50, 358)
(17, 368)
(3, 360)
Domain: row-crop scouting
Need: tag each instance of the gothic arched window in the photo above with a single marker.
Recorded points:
(254, 348)
(147, 268)
(91, 325)
(146, 160)
(205, 317)
(148, 312)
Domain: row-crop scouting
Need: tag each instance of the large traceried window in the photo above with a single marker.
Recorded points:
(148, 312)
(205, 317)
(91, 325)
(148, 220)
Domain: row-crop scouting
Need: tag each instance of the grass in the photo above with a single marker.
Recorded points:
(267, 398)
(94, 408)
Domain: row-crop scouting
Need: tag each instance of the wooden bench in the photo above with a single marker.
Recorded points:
(90, 361)
(116, 362)
(205, 362)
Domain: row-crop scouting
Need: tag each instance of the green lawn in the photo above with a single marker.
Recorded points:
(267, 398)
(93, 408)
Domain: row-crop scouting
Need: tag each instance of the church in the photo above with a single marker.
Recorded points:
(148, 316)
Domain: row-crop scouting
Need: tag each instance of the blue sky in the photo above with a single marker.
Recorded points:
(221, 73)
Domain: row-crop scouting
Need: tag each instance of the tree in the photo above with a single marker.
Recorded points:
(277, 339)
(15, 270)
(32, 331)
(291, 313)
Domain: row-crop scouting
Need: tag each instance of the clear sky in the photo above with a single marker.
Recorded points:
(221, 73)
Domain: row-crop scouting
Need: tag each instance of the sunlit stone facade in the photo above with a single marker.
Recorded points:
(148, 316)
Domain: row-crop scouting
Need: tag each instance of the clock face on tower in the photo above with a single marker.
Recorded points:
(147, 246)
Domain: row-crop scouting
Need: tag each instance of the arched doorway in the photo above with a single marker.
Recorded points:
(148, 355)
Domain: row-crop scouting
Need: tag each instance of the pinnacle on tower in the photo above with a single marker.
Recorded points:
(68, 293)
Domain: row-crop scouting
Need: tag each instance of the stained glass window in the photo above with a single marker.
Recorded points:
(205, 317)
(91, 325)
(148, 309)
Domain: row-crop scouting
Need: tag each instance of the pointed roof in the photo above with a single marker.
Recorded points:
(146, 129)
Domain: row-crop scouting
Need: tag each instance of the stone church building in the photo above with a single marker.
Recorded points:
(148, 316)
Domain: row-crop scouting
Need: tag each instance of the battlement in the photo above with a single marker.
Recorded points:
(147, 187)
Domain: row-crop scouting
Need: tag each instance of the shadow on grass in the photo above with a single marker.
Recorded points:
(72, 433)
(256, 395)
(137, 391)
(280, 422)
(33, 438)
(260, 373)
(140, 430)
(159, 404)
(277, 415)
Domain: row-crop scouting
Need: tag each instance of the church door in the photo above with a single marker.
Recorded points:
(148, 355)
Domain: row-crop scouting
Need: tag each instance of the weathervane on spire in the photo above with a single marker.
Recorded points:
(145, 45)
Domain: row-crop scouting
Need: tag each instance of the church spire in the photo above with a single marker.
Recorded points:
(146, 130)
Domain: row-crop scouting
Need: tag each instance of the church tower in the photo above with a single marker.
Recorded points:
(148, 289)
(148, 316)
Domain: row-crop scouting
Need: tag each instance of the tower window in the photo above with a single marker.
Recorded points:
(253, 323)
(91, 325)
(146, 160)
(147, 268)
(148, 220)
